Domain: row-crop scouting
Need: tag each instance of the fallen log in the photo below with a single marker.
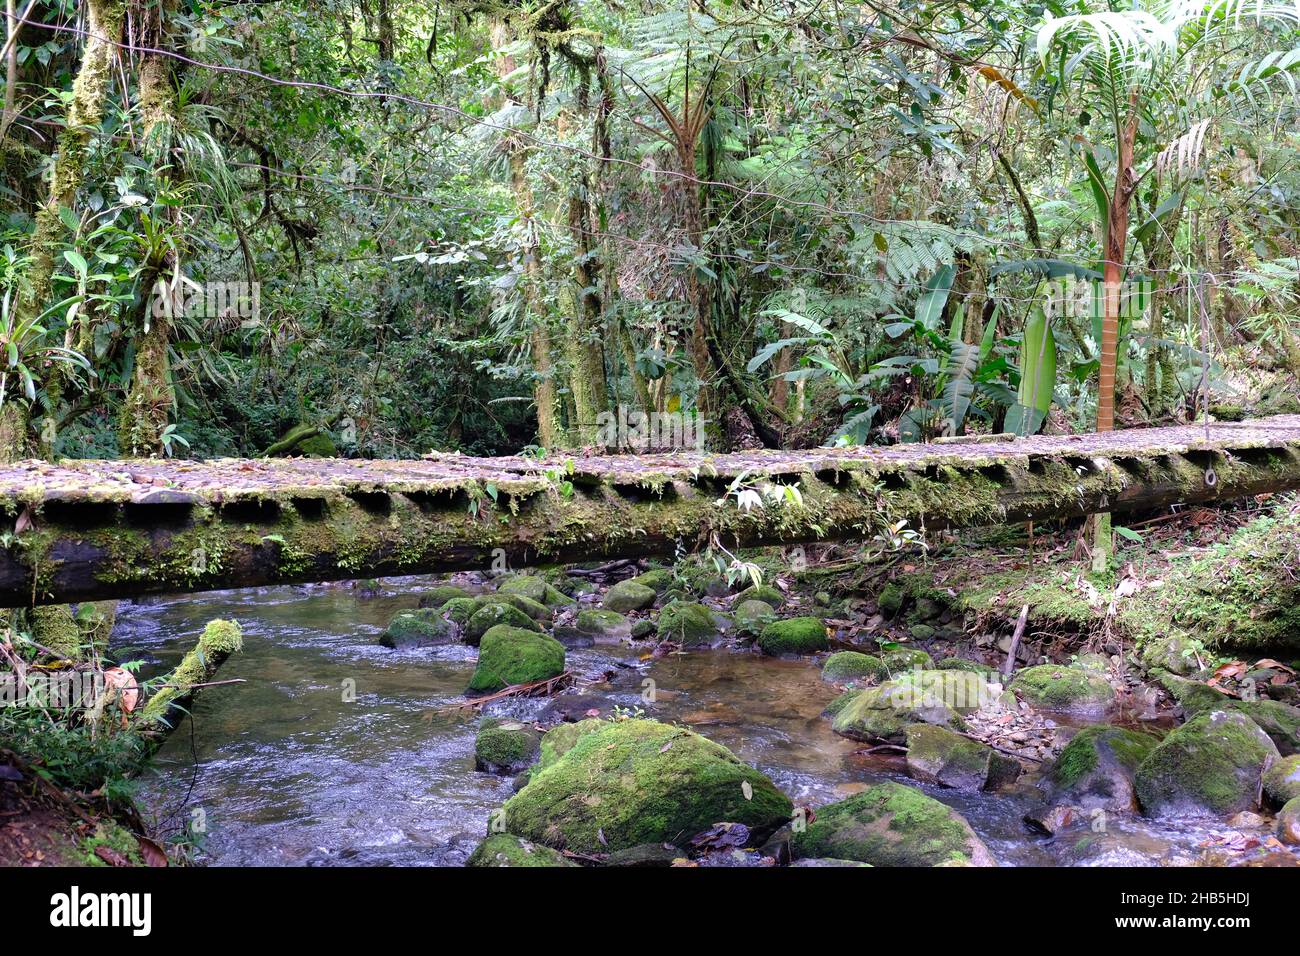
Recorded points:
(93, 530)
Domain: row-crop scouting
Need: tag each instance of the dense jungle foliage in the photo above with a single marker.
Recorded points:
(380, 227)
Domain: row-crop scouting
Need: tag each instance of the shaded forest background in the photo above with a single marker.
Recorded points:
(377, 227)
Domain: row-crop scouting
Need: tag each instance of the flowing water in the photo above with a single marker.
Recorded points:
(339, 751)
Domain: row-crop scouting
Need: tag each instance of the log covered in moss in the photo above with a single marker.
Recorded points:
(116, 529)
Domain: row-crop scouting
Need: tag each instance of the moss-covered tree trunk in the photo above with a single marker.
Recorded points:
(104, 19)
(145, 413)
(585, 339)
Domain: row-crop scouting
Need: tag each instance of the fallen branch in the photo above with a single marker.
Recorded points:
(547, 687)
(1019, 632)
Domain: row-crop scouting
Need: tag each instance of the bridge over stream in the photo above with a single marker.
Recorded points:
(93, 529)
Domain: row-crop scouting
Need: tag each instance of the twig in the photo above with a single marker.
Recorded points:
(1019, 632)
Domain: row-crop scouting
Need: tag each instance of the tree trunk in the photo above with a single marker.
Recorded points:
(85, 115)
(1113, 270)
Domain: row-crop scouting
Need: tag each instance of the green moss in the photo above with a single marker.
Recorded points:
(687, 623)
(762, 592)
(628, 596)
(505, 746)
(937, 755)
(640, 781)
(599, 623)
(658, 580)
(1280, 721)
(1282, 779)
(851, 665)
(420, 628)
(890, 599)
(512, 655)
(496, 613)
(502, 849)
(796, 635)
(906, 659)
(459, 610)
(54, 626)
(527, 585)
(534, 609)
(883, 714)
(837, 705)
(1213, 762)
(219, 640)
(1080, 756)
(891, 825)
(1063, 688)
(436, 597)
(114, 836)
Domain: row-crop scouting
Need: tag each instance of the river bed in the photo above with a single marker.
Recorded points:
(338, 751)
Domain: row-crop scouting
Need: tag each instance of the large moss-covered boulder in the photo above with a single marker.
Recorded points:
(937, 755)
(559, 740)
(436, 597)
(845, 666)
(503, 849)
(525, 585)
(687, 623)
(1211, 764)
(1280, 721)
(628, 596)
(425, 627)
(891, 825)
(505, 746)
(491, 615)
(795, 635)
(640, 781)
(594, 626)
(513, 655)
(1065, 689)
(1096, 768)
(1282, 780)
(884, 713)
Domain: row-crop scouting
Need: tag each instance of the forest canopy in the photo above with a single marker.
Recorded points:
(376, 228)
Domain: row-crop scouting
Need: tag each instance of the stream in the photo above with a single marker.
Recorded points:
(337, 751)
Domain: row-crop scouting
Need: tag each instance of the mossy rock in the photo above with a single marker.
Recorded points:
(884, 713)
(939, 756)
(1169, 653)
(906, 659)
(490, 615)
(628, 596)
(658, 580)
(643, 628)
(534, 609)
(687, 623)
(762, 592)
(559, 740)
(425, 627)
(639, 781)
(890, 599)
(752, 616)
(505, 746)
(1280, 721)
(845, 666)
(1213, 763)
(962, 664)
(1096, 768)
(55, 626)
(459, 611)
(1282, 780)
(503, 849)
(1064, 689)
(891, 825)
(921, 632)
(795, 635)
(512, 655)
(592, 626)
(1288, 822)
(1193, 696)
(438, 596)
(839, 703)
(525, 585)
